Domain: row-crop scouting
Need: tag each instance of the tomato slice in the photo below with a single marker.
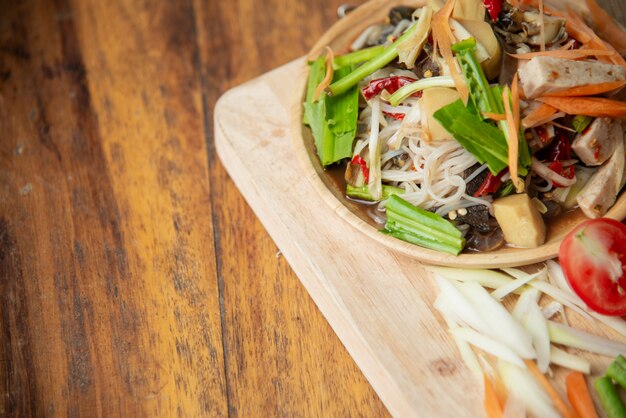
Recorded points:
(593, 257)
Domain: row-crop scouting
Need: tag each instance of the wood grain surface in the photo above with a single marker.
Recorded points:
(134, 279)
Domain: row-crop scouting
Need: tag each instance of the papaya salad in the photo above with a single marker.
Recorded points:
(471, 125)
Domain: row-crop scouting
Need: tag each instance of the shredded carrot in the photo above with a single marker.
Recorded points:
(576, 27)
(502, 392)
(494, 116)
(539, 116)
(578, 395)
(606, 26)
(589, 39)
(571, 54)
(589, 89)
(589, 106)
(513, 139)
(443, 39)
(559, 403)
(328, 78)
(491, 404)
(515, 99)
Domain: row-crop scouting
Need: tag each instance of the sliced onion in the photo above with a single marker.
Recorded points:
(460, 306)
(488, 345)
(467, 354)
(537, 326)
(523, 386)
(564, 359)
(546, 173)
(551, 309)
(503, 291)
(571, 337)
(502, 326)
(487, 278)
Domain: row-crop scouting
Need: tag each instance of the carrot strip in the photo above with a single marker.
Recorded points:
(589, 106)
(328, 78)
(491, 404)
(443, 38)
(571, 54)
(578, 395)
(502, 392)
(494, 116)
(589, 89)
(576, 27)
(513, 139)
(559, 403)
(607, 27)
(538, 116)
(515, 99)
(593, 41)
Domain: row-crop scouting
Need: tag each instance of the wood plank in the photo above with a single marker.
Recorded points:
(282, 357)
(108, 286)
(384, 321)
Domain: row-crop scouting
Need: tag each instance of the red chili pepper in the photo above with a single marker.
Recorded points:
(542, 133)
(357, 160)
(491, 184)
(398, 116)
(391, 84)
(493, 7)
(560, 149)
(596, 152)
(567, 172)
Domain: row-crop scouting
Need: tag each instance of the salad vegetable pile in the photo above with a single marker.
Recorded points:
(473, 124)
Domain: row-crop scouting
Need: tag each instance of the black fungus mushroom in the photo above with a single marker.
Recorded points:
(399, 13)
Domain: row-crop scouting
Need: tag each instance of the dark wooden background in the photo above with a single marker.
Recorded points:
(134, 279)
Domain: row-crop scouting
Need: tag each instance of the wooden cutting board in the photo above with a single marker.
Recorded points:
(378, 302)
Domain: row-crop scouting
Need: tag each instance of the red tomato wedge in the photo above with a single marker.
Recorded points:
(593, 257)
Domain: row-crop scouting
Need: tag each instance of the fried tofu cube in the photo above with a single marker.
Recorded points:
(520, 221)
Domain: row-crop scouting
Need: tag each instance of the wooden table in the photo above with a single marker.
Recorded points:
(134, 279)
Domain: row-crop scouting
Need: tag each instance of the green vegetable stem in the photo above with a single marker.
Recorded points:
(385, 57)
(363, 192)
(357, 57)
(609, 398)
(617, 371)
(485, 98)
(332, 120)
(421, 227)
(580, 122)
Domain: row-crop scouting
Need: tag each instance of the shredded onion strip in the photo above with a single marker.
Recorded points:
(546, 173)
